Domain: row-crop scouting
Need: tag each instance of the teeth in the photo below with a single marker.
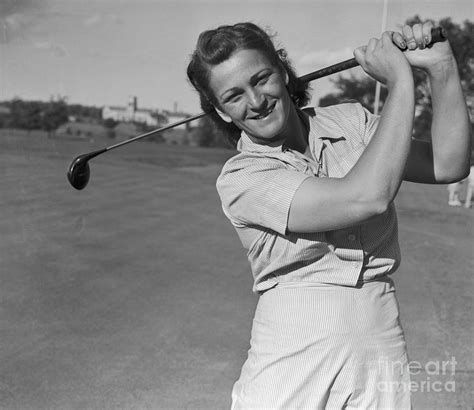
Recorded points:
(266, 114)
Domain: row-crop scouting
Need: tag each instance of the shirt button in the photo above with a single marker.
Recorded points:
(351, 237)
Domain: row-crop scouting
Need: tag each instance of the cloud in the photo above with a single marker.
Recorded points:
(46, 45)
(9, 7)
(42, 45)
(16, 17)
(97, 19)
(114, 18)
(12, 26)
(93, 20)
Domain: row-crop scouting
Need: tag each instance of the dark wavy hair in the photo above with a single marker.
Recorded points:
(215, 46)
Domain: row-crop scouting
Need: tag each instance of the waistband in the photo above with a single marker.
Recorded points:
(361, 284)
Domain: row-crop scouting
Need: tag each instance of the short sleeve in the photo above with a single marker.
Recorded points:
(258, 191)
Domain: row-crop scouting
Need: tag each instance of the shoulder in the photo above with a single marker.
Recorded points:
(243, 165)
(257, 189)
(351, 119)
(337, 112)
(245, 159)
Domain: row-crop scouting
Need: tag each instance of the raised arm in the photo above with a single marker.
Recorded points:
(446, 158)
(322, 204)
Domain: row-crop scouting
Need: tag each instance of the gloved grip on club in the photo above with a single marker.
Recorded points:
(79, 172)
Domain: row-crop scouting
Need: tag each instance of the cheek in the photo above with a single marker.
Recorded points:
(236, 112)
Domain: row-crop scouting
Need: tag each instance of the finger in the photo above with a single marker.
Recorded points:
(418, 36)
(372, 44)
(427, 33)
(387, 37)
(398, 40)
(408, 35)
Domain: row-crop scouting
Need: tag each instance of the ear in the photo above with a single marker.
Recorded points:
(284, 73)
(224, 116)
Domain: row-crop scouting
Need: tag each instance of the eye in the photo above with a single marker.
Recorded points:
(263, 79)
(232, 98)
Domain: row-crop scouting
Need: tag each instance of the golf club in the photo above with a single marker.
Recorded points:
(78, 172)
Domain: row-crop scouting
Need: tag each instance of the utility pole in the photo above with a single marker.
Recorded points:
(377, 85)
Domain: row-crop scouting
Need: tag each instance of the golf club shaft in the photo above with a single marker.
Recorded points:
(335, 68)
(167, 127)
(437, 34)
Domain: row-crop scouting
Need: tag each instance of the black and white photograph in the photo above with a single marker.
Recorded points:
(236, 204)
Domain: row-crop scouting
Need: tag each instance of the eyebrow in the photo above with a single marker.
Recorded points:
(253, 78)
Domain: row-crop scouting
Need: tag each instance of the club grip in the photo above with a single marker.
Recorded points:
(437, 35)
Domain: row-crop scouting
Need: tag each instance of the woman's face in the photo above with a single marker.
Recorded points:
(252, 93)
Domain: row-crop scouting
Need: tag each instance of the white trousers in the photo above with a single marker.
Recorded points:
(325, 347)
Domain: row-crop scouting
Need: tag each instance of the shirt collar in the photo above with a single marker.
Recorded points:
(315, 138)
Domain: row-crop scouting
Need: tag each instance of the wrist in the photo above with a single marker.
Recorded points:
(404, 84)
(443, 69)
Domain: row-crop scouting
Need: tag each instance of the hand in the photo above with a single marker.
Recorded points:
(416, 41)
(383, 61)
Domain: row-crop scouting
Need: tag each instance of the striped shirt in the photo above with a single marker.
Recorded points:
(256, 188)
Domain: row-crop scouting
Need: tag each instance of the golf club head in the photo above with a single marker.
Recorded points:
(79, 172)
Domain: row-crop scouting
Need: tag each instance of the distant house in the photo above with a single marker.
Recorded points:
(152, 118)
(130, 113)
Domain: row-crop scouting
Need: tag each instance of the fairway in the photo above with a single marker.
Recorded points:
(135, 293)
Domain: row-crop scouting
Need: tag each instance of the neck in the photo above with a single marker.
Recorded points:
(295, 135)
(297, 131)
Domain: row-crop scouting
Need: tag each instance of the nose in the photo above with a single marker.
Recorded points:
(257, 101)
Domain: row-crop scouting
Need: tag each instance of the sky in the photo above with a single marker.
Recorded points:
(100, 52)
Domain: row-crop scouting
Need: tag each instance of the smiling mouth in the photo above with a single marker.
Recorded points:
(265, 113)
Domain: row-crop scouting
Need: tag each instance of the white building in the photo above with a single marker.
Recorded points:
(130, 113)
(152, 118)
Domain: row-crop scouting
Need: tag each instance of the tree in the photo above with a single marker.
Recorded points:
(46, 115)
(353, 88)
(25, 114)
(362, 89)
(54, 114)
(109, 123)
(207, 135)
(85, 113)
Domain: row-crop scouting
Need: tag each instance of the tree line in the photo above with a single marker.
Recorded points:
(41, 115)
(50, 115)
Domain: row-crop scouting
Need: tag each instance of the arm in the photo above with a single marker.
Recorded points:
(446, 158)
(322, 204)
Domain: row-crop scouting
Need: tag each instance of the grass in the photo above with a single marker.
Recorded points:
(135, 293)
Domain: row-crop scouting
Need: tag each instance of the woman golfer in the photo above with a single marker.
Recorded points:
(310, 194)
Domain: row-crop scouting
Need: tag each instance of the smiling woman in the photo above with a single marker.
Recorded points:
(310, 194)
(216, 48)
(252, 94)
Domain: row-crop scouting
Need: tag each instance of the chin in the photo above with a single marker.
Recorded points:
(272, 134)
(272, 131)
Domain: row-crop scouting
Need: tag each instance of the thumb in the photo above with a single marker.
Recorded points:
(359, 54)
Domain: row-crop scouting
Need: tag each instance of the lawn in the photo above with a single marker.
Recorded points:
(135, 293)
